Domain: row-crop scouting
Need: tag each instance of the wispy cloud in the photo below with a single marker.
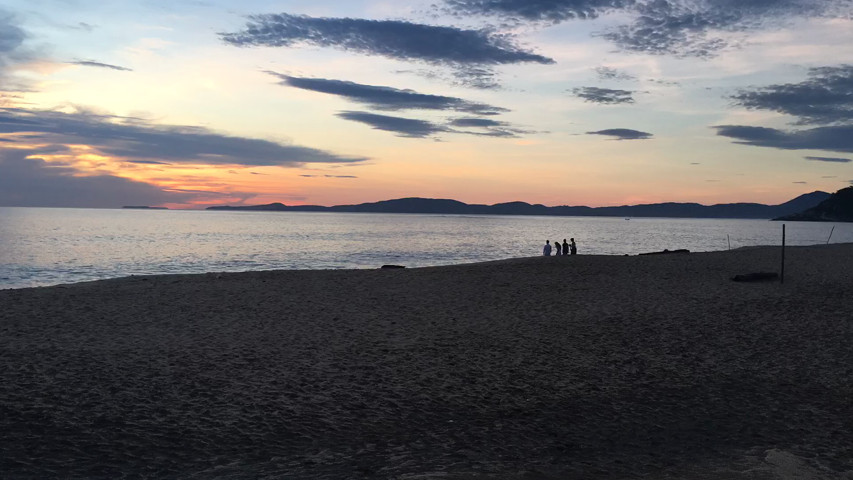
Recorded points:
(551, 11)
(831, 138)
(387, 98)
(695, 28)
(133, 139)
(471, 53)
(148, 162)
(484, 78)
(13, 36)
(702, 28)
(607, 96)
(487, 127)
(328, 176)
(92, 63)
(13, 53)
(610, 73)
(825, 98)
(623, 134)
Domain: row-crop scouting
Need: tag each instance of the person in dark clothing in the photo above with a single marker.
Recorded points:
(574, 247)
(565, 247)
(557, 246)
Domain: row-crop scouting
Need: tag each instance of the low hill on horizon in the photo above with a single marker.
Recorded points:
(838, 207)
(455, 207)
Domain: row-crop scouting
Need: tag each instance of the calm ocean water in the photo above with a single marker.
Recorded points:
(43, 246)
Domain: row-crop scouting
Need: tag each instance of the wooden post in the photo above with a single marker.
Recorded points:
(729, 240)
(830, 234)
(782, 275)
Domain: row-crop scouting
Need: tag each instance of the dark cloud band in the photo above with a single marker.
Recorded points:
(403, 127)
(416, 128)
(829, 159)
(387, 98)
(825, 98)
(832, 138)
(388, 38)
(477, 123)
(623, 134)
(133, 139)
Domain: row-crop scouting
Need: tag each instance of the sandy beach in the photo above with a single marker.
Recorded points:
(581, 367)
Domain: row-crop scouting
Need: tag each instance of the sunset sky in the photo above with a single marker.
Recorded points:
(187, 104)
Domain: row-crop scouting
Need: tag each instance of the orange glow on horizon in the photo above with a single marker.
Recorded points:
(444, 173)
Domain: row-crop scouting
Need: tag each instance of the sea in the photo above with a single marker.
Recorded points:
(50, 246)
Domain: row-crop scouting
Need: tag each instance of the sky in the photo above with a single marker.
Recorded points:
(187, 104)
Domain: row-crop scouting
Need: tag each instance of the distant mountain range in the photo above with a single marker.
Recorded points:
(671, 210)
(837, 208)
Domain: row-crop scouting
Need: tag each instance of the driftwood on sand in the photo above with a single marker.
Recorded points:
(756, 277)
(667, 251)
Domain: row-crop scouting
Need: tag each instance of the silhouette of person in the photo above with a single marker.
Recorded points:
(565, 247)
(546, 250)
(574, 247)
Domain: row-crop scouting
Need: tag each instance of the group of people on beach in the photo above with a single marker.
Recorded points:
(565, 249)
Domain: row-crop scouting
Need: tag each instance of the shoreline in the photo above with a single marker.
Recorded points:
(587, 366)
(503, 260)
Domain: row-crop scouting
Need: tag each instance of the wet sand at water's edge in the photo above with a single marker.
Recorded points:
(583, 367)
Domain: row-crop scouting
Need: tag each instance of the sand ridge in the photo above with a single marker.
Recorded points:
(543, 367)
